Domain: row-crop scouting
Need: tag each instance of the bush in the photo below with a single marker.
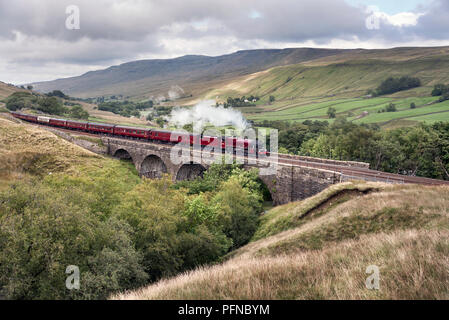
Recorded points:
(412, 105)
(43, 230)
(440, 89)
(237, 206)
(444, 97)
(20, 100)
(169, 230)
(391, 108)
(57, 93)
(51, 105)
(392, 85)
(78, 112)
(331, 112)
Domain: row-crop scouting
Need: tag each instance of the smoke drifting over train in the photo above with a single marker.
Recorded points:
(206, 112)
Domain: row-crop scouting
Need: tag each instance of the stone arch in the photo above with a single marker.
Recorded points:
(153, 167)
(190, 171)
(271, 185)
(266, 192)
(123, 154)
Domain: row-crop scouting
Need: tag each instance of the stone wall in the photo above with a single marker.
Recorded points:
(354, 164)
(293, 183)
(96, 147)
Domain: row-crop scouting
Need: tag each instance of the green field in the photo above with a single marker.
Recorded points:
(306, 91)
(353, 109)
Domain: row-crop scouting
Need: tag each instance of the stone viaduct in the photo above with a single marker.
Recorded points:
(287, 183)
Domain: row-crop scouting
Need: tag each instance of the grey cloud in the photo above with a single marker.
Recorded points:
(114, 31)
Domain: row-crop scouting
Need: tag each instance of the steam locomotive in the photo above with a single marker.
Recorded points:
(247, 146)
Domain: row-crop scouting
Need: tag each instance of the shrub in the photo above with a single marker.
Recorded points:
(43, 230)
(391, 108)
(440, 89)
(237, 205)
(331, 112)
(169, 231)
(51, 105)
(78, 112)
(392, 85)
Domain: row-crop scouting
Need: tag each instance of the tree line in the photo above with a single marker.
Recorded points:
(392, 85)
(422, 150)
(48, 104)
(125, 108)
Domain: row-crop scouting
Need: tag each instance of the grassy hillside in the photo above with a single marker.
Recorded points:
(320, 248)
(27, 151)
(5, 91)
(144, 78)
(305, 92)
(305, 82)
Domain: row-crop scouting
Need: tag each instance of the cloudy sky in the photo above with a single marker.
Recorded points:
(39, 39)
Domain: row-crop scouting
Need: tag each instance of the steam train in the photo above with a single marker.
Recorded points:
(248, 146)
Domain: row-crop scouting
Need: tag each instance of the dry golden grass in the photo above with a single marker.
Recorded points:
(29, 150)
(290, 215)
(404, 230)
(413, 265)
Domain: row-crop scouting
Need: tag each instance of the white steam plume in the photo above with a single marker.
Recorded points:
(175, 92)
(205, 113)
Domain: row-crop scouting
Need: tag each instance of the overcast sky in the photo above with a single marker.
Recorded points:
(36, 45)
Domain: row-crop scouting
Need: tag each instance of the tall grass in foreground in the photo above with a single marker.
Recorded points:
(404, 230)
(413, 265)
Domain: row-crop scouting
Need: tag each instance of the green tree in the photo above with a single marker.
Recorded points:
(412, 105)
(160, 122)
(439, 90)
(78, 112)
(272, 99)
(44, 230)
(236, 206)
(391, 108)
(169, 228)
(51, 105)
(331, 112)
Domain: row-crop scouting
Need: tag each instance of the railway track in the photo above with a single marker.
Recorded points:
(347, 173)
(362, 173)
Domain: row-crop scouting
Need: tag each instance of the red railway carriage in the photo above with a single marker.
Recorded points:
(211, 141)
(100, 128)
(29, 117)
(26, 117)
(160, 135)
(246, 144)
(76, 125)
(132, 132)
(178, 137)
(230, 142)
(57, 122)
